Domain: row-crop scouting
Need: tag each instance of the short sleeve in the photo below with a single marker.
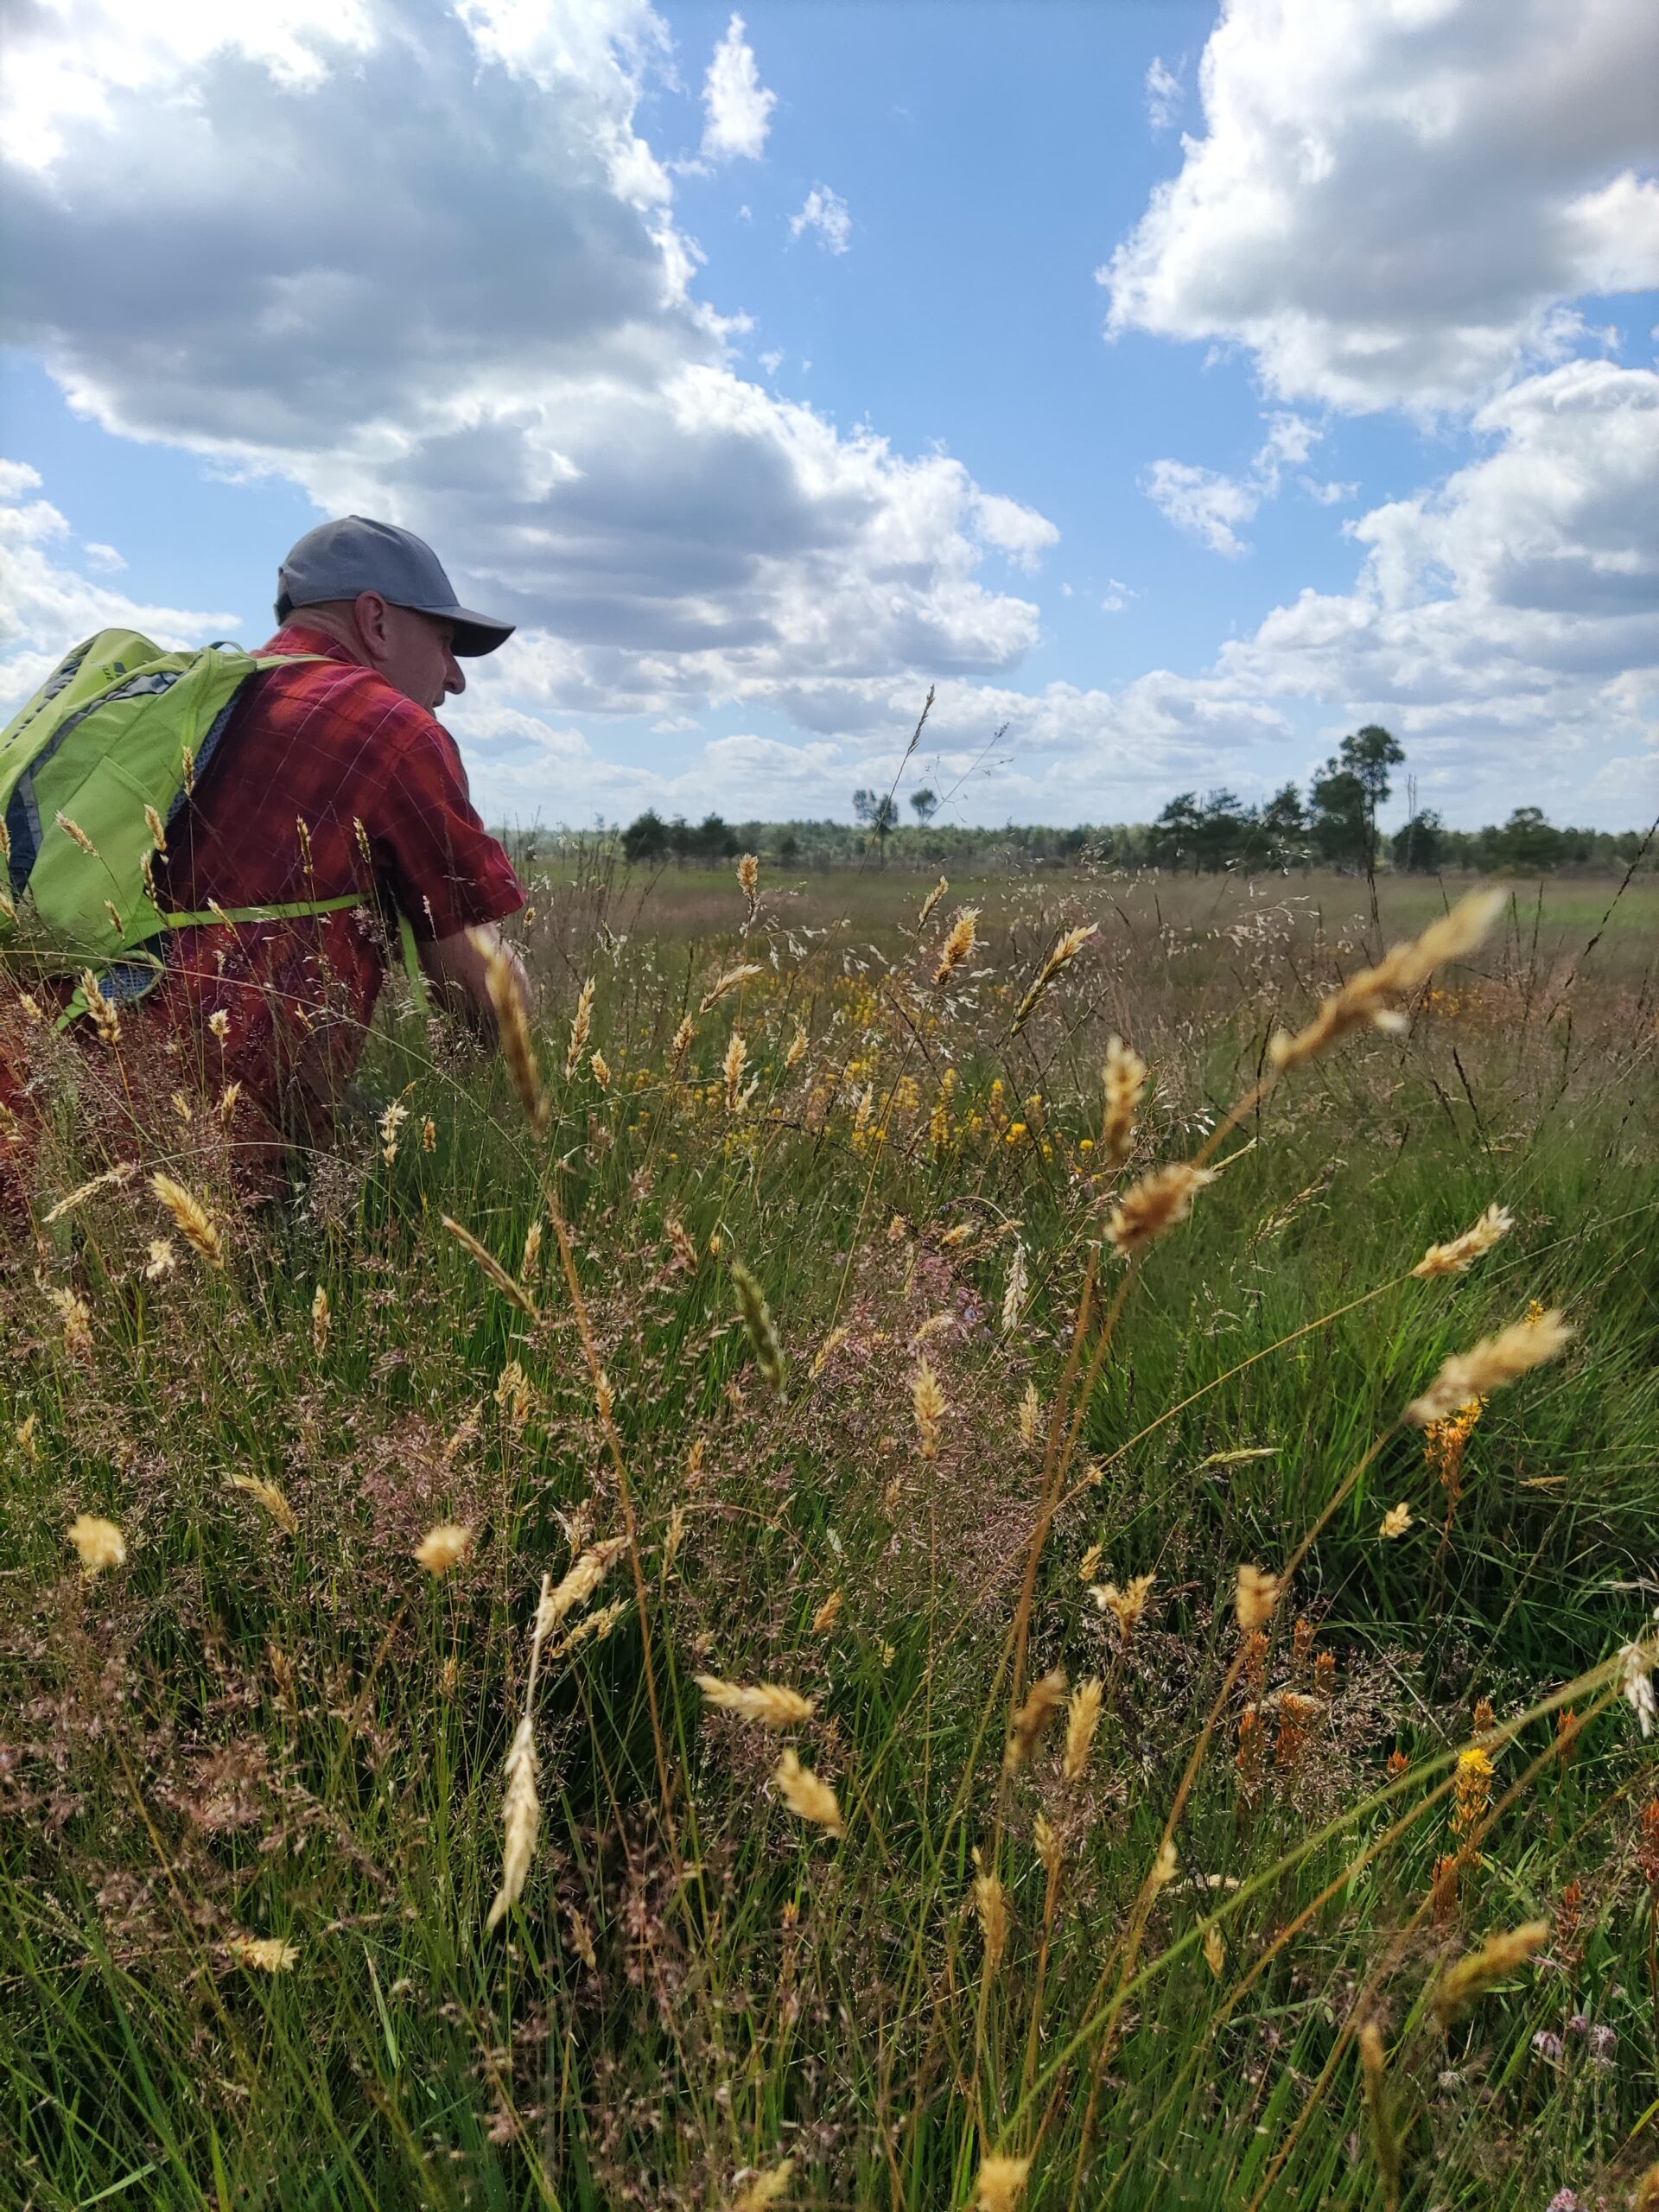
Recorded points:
(441, 864)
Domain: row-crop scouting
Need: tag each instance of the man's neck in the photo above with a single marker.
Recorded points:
(322, 622)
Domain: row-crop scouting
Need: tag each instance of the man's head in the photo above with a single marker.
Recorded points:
(381, 591)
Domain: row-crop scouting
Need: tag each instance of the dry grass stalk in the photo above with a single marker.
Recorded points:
(195, 1224)
(589, 1570)
(1014, 1290)
(105, 1019)
(991, 1904)
(508, 1287)
(765, 2189)
(728, 982)
(1489, 1365)
(1127, 1606)
(582, 1024)
(1456, 1257)
(1385, 2140)
(748, 877)
(1065, 952)
(1043, 1700)
(1081, 1719)
(443, 1547)
(1477, 1972)
(768, 1703)
(927, 1401)
(99, 1542)
(957, 946)
(521, 1810)
(504, 981)
(1148, 1209)
(931, 901)
(111, 1179)
(1124, 1081)
(806, 1796)
(268, 1495)
(1367, 1000)
(1000, 2184)
(757, 1321)
(1255, 1598)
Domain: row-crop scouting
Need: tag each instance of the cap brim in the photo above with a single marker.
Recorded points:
(475, 633)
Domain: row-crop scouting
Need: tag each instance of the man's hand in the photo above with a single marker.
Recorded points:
(456, 967)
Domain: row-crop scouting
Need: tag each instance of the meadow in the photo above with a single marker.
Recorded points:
(879, 1566)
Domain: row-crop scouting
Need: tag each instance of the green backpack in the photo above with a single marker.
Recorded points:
(102, 759)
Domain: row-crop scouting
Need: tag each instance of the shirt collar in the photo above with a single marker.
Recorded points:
(296, 637)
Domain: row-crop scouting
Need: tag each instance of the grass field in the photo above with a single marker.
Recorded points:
(1073, 1888)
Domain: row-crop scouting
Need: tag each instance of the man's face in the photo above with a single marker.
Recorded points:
(416, 656)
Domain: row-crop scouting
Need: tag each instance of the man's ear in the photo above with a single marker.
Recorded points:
(369, 610)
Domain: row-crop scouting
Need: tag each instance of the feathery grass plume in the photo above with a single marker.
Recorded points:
(680, 1043)
(99, 1542)
(76, 1315)
(390, 1122)
(590, 1569)
(504, 981)
(1050, 1850)
(1014, 1290)
(521, 1811)
(807, 1796)
(1030, 1414)
(321, 1320)
(531, 1266)
(513, 1394)
(1456, 1257)
(111, 1179)
(728, 982)
(444, 1546)
(1164, 1867)
(1000, 2184)
(1489, 1364)
(1127, 1606)
(582, 1024)
(1043, 1699)
(748, 877)
(957, 946)
(1477, 1971)
(1215, 1951)
(991, 1904)
(604, 1396)
(428, 1134)
(229, 1094)
(28, 1434)
(1082, 1718)
(593, 1628)
(1647, 2191)
(757, 1320)
(195, 1224)
(673, 1537)
(1065, 952)
(1089, 1565)
(798, 1045)
(828, 1613)
(765, 2189)
(828, 1348)
(157, 830)
(72, 828)
(1254, 1597)
(1395, 1521)
(1364, 999)
(927, 1402)
(600, 1068)
(492, 1267)
(105, 1019)
(1153, 1206)
(1636, 1684)
(271, 1497)
(264, 1954)
(732, 1067)
(1123, 1078)
(1385, 2139)
(931, 901)
(769, 1703)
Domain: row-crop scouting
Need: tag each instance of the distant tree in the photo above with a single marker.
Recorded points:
(712, 841)
(679, 840)
(924, 804)
(1528, 841)
(646, 838)
(877, 812)
(789, 846)
(1357, 784)
(1221, 831)
(1282, 825)
(1418, 848)
(1175, 833)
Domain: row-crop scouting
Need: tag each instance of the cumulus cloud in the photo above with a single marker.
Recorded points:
(447, 287)
(825, 212)
(1391, 202)
(1213, 507)
(737, 105)
(1163, 93)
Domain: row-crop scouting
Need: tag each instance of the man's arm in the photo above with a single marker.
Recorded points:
(456, 965)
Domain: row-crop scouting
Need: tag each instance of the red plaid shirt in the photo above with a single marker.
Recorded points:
(379, 785)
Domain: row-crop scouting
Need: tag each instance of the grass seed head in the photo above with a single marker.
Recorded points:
(1637, 1662)
(1255, 1598)
(1123, 1078)
(806, 1796)
(1127, 1606)
(105, 1019)
(321, 1320)
(504, 980)
(99, 1542)
(76, 1316)
(991, 1904)
(1462, 1984)
(195, 1224)
(1456, 1257)
(1043, 1699)
(931, 901)
(1081, 1719)
(521, 1811)
(1000, 2184)
(579, 1585)
(727, 982)
(582, 1023)
(732, 1067)
(268, 1495)
(1486, 1366)
(765, 2189)
(957, 945)
(1065, 952)
(768, 1703)
(508, 1287)
(757, 1321)
(1215, 1951)
(1148, 1209)
(828, 1613)
(1030, 1415)
(1395, 1521)
(264, 1954)
(444, 1546)
(927, 1401)
(1367, 1000)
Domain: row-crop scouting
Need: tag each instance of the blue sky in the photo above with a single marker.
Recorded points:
(1178, 386)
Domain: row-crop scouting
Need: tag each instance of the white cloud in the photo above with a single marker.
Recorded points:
(103, 557)
(825, 213)
(1213, 507)
(738, 106)
(508, 352)
(1164, 93)
(1392, 199)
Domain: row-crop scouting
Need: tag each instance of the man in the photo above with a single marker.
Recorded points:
(333, 776)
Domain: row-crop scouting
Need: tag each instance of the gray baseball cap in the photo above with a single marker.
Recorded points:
(337, 560)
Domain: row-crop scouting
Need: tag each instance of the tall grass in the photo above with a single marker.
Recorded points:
(822, 1636)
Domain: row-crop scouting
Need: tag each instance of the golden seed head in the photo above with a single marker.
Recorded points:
(582, 1024)
(493, 1268)
(727, 982)
(100, 1543)
(991, 1904)
(1153, 1206)
(1124, 1081)
(1081, 1719)
(1043, 1700)
(105, 1019)
(680, 1045)
(768, 1703)
(1489, 1364)
(1065, 951)
(321, 1318)
(927, 1400)
(757, 1321)
(765, 2189)
(806, 1796)
(1215, 1951)
(828, 1613)
(1476, 1973)
(264, 1954)
(1255, 1598)
(1030, 1415)
(1000, 2184)
(76, 1316)
(1048, 1846)
(1456, 1257)
(600, 1068)
(521, 1810)
(1395, 1521)
(584, 1577)
(931, 901)
(195, 1224)
(957, 945)
(444, 1546)
(1127, 1606)
(72, 829)
(268, 1495)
